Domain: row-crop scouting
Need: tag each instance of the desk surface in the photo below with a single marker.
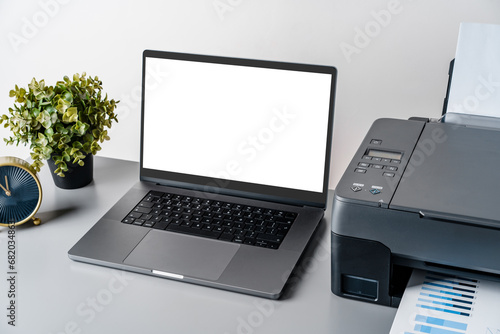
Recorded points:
(56, 295)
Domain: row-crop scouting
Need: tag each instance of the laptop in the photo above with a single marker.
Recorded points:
(234, 166)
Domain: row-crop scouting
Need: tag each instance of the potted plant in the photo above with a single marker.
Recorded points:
(63, 124)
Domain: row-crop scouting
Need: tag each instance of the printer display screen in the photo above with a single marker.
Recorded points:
(384, 154)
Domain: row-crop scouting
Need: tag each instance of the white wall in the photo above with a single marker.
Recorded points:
(399, 71)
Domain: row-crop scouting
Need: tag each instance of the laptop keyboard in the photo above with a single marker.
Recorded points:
(225, 221)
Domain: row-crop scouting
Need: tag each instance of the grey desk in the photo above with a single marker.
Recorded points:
(57, 295)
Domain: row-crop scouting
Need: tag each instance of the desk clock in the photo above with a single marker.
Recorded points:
(20, 192)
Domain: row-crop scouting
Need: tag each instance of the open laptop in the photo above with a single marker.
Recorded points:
(234, 168)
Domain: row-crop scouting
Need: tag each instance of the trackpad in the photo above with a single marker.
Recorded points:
(182, 255)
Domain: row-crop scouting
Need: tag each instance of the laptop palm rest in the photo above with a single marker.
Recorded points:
(184, 255)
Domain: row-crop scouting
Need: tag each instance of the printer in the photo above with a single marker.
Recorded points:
(417, 194)
(425, 194)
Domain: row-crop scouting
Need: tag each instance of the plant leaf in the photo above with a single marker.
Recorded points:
(71, 115)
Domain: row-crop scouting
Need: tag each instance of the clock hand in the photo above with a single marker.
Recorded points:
(7, 192)
(7, 183)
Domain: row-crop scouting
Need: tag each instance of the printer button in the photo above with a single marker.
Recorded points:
(364, 164)
(367, 157)
(387, 174)
(396, 161)
(356, 189)
(360, 170)
(377, 166)
(375, 191)
(391, 168)
(376, 141)
(385, 160)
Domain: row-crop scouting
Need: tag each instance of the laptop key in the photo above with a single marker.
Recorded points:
(281, 232)
(286, 221)
(226, 237)
(269, 212)
(160, 225)
(267, 244)
(138, 222)
(271, 231)
(176, 221)
(280, 214)
(273, 245)
(249, 241)
(128, 220)
(186, 223)
(238, 239)
(135, 215)
(196, 219)
(269, 238)
(142, 210)
(251, 235)
(260, 229)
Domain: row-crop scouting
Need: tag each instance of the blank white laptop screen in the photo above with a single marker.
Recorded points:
(240, 123)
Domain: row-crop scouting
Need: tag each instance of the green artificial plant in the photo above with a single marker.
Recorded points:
(64, 122)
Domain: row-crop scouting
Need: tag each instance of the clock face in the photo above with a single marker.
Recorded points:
(19, 195)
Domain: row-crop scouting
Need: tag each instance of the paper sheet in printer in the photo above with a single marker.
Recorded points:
(435, 303)
(453, 174)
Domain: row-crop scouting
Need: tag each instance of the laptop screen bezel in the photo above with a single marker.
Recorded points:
(236, 188)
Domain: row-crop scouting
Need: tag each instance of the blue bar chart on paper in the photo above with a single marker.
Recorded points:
(454, 296)
(438, 304)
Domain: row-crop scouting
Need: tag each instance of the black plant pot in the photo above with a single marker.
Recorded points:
(77, 176)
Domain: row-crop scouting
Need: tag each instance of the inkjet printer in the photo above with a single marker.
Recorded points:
(417, 194)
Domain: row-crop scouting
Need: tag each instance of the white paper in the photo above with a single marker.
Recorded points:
(475, 85)
(437, 304)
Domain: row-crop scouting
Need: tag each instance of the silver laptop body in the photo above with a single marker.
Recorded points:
(238, 132)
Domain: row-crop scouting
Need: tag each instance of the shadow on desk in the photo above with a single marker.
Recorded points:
(48, 216)
(318, 250)
(45, 217)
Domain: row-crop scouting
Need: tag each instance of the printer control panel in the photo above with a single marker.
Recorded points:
(376, 170)
(384, 161)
